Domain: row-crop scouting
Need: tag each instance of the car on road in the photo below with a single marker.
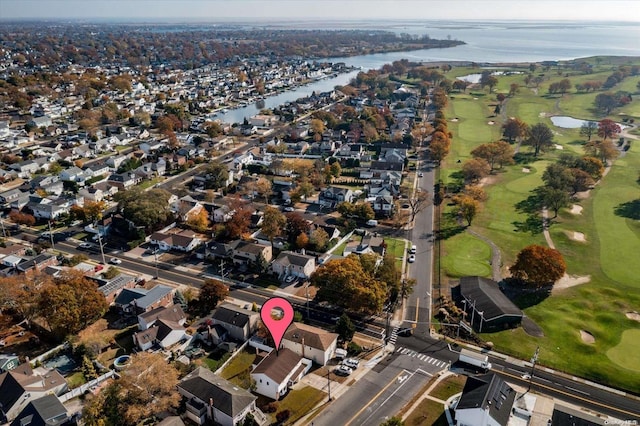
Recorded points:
(343, 370)
(290, 279)
(526, 377)
(85, 245)
(115, 261)
(420, 174)
(412, 258)
(289, 209)
(351, 363)
(405, 332)
(413, 249)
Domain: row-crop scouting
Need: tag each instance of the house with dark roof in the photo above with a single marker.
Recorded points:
(486, 401)
(183, 241)
(487, 306)
(38, 263)
(246, 252)
(212, 398)
(333, 195)
(310, 342)
(139, 300)
(277, 372)
(296, 264)
(111, 288)
(568, 416)
(21, 385)
(8, 362)
(240, 323)
(44, 411)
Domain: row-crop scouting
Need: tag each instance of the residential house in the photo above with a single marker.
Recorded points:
(334, 195)
(139, 300)
(172, 313)
(240, 323)
(163, 333)
(91, 194)
(98, 169)
(20, 386)
(217, 250)
(37, 263)
(262, 120)
(11, 195)
(210, 398)
(188, 207)
(310, 342)
(383, 205)
(296, 264)
(368, 244)
(114, 162)
(111, 288)
(223, 214)
(44, 411)
(8, 362)
(278, 371)
(25, 169)
(245, 252)
(486, 400)
(124, 180)
(43, 121)
(184, 241)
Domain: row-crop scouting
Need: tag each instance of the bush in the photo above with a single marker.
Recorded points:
(271, 407)
(283, 415)
(354, 348)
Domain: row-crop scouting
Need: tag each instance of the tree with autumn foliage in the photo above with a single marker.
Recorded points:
(71, 303)
(240, 220)
(345, 283)
(199, 221)
(212, 292)
(496, 153)
(273, 223)
(540, 138)
(608, 129)
(22, 218)
(538, 266)
(439, 146)
(21, 294)
(146, 387)
(514, 129)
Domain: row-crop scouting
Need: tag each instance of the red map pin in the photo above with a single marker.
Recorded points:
(277, 316)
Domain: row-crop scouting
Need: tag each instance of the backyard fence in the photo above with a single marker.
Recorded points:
(82, 389)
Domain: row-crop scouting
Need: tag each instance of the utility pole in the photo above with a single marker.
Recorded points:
(306, 288)
(4, 233)
(329, 384)
(222, 269)
(533, 366)
(50, 234)
(99, 242)
(155, 255)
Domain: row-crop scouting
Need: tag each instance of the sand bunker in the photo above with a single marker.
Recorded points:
(559, 146)
(526, 170)
(576, 209)
(454, 120)
(475, 99)
(577, 236)
(587, 337)
(491, 123)
(633, 316)
(568, 281)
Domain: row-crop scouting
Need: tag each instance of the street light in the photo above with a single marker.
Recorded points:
(100, 243)
(534, 359)
(481, 313)
(155, 255)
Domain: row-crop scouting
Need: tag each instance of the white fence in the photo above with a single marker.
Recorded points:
(48, 354)
(80, 390)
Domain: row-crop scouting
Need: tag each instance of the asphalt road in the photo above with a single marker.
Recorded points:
(418, 303)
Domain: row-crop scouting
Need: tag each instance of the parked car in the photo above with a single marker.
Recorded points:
(85, 245)
(289, 209)
(372, 222)
(412, 258)
(420, 174)
(413, 249)
(290, 279)
(115, 261)
(343, 370)
(351, 363)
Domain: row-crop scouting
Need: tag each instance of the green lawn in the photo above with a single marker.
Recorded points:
(449, 387)
(608, 257)
(427, 413)
(300, 402)
(469, 256)
(396, 247)
(237, 370)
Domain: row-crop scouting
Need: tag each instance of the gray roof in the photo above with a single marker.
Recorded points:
(153, 295)
(111, 286)
(45, 411)
(291, 258)
(488, 392)
(226, 396)
(233, 315)
(488, 298)
(278, 365)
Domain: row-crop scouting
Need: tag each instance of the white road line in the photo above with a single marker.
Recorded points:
(432, 361)
(404, 351)
(576, 390)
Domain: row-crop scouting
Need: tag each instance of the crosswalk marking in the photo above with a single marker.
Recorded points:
(422, 357)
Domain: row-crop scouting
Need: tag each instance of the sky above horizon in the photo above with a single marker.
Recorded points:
(218, 10)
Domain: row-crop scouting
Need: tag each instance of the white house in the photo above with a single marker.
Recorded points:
(212, 398)
(310, 342)
(164, 333)
(486, 401)
(296, 264)
(171, 313)
(277, 372)
(184, 241)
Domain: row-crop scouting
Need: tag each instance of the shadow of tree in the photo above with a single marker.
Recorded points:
(449, 226)
(630, 210)
(524, 158)
(522, 295)
(534, 225)
(532, 204)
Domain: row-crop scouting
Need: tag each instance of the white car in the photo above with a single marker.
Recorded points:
(115, 261)
(289, 209)
(351, 363)
(290, 279)
(85, 245)
(413, 249)
(412, 258)
(343, 370)
(420, 174)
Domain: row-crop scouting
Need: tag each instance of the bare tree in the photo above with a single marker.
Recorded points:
(419, 202)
